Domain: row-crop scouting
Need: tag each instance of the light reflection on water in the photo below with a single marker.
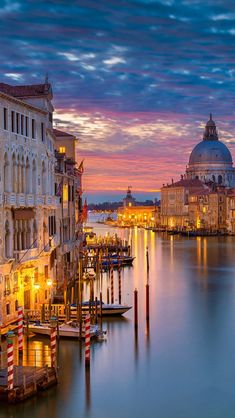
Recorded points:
(183, 367)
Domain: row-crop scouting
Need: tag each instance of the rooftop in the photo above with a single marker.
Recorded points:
(23, 91)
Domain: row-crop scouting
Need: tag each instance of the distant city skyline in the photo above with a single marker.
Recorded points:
(134, 80)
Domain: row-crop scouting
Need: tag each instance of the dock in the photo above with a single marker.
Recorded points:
(28, 381)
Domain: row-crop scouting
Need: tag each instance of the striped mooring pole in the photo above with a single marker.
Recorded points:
(87, 340)
(20, 328)
(112, 287)
(10, 361)
(53, 346)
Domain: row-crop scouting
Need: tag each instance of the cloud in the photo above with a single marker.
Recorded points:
(134, 81)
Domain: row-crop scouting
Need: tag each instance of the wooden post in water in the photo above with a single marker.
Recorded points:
(87, 340)
(27, 325)
(147, 302)
(108, 295)
(43, 313)
(136, 309)
(96, 310)
(147, 259)
(112, 286)
(101, 311)
(20, 329)
(119, 283)
(53, 347)
(10, 361)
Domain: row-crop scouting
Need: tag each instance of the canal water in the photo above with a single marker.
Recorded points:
(183, 368)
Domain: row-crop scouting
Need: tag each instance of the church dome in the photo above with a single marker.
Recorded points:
(210, 150)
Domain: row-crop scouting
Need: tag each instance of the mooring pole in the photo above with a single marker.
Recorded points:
(136, 308)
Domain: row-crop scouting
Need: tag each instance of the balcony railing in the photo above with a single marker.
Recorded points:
(26, 255)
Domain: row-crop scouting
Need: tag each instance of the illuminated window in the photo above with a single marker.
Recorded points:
(65, 193)
(204, 209)
(62, 150)
(129, 204)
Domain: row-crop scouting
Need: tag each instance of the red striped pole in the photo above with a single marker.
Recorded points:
(87, 339)
(53, 346)
(10, 362)
(20, 328)
(112, 287)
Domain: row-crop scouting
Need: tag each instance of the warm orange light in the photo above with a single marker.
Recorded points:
(49, 282)
(36, 286)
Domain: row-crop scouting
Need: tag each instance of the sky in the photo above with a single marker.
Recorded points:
(134, 80)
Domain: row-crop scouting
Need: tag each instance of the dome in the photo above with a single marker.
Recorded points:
(210, 152)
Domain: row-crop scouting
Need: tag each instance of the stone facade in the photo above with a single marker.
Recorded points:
(26, 196)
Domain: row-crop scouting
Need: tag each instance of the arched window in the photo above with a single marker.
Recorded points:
(6, 174)
(35, 233)
(28, 235)
(23, 235)
(19, 190)
(7, 240)
(27, 176)
(14, 174)
(44, 179)
(220, 179)
(22, 175)
(34, 177)
(213, 178)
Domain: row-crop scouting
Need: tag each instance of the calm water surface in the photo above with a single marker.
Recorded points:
(185, 368)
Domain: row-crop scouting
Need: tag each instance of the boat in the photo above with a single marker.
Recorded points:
(108, 309)
(114, 260)
(66, 330)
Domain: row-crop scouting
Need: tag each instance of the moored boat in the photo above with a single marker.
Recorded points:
(66, 330)
(108, 309)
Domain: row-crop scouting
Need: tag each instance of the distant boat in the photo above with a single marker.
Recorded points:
(108, 309)
(124, 260)
(69, 330)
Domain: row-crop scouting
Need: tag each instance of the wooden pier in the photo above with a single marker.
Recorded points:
(28, 381)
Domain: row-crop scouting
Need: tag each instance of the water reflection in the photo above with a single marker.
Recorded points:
(180, 363)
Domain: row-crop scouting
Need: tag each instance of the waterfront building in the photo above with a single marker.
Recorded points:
(230, 218)
(68, 188)
(198, 200)
(28, 204)
(211, 160)
(175, 202)
(129, 200)
(208, 210)
(136, 216)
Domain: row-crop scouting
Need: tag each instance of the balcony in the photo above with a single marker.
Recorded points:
(29, 201)
(26, 255)
(20, 199)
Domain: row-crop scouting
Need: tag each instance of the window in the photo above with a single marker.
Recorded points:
(5, 121)
(52, 225)
(22, 124)
(16, 305)
(26, 125)
(33, 128)
(17, 123)
(42, 131)
(8, 309)
(62, 150)
(12, 121)
(50, 117)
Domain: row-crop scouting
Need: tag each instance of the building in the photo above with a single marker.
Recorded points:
(68, 187)
(211, 160)
(230, 218)
(129, 200)
(199, 200)
(133, 214)
(208, 210)
(28, 203)
(175, 202)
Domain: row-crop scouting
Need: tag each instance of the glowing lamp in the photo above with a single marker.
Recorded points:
(49, 282)
(36, 286)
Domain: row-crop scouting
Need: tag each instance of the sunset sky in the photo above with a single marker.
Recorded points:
(134, 80)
